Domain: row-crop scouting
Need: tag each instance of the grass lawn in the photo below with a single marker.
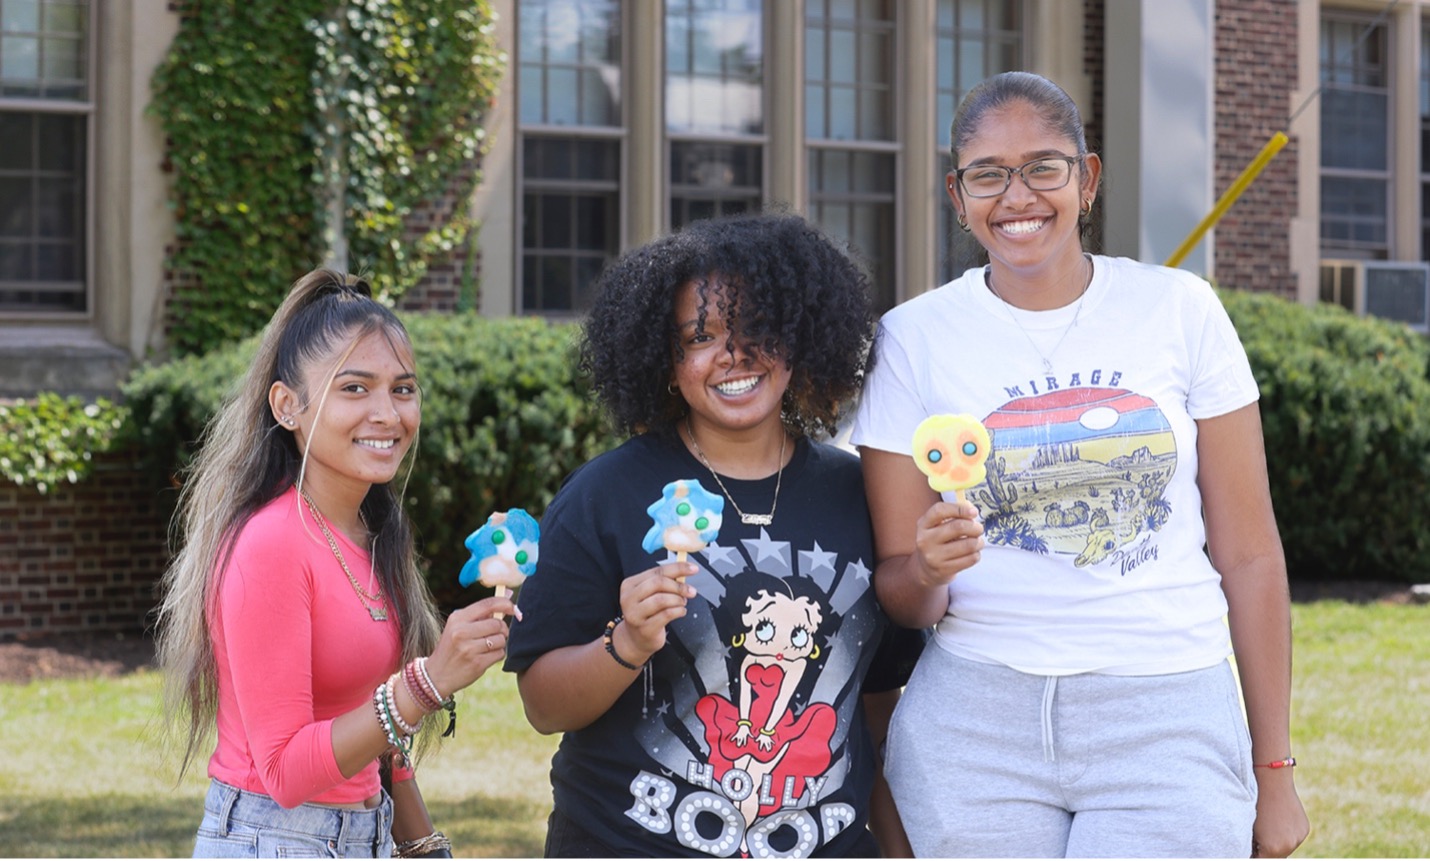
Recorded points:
(82, 776)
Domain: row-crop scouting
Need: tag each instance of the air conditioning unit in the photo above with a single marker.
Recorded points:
(1390, 289)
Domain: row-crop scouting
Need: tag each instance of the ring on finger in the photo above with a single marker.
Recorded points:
(488, 641)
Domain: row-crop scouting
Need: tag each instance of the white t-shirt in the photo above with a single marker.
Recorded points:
(1095, 559)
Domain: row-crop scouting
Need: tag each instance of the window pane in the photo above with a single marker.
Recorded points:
(1354, 213)
(1354, 129)
(42, 51)
(569, 66)
(714, 59)
(20, 15)
(842, 113)
(852, 197)
(570, 219)
(708, 179)
(55, 262)
(65, 16)
(15, 262)
(16, 134)
(843, 57)
(19, 59)
(17, 209)
(975, 39)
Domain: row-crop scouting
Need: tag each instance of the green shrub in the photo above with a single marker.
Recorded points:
(503, 421)
(1345, 402)
(52, 439)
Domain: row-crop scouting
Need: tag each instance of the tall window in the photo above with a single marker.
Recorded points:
(714, 107)
(45, 109)
(1425, 141)
(976, 39)
(569, 83)
(1355, 137)
(850, 125)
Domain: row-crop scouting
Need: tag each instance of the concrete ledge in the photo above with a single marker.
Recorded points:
(69, 361)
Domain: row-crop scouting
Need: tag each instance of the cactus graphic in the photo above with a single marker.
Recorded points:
(1001, 495)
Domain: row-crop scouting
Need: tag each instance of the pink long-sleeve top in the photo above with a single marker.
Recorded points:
(295, 648)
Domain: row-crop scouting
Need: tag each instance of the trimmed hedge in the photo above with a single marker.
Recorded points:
(1345, 406)
(503, 421)
(1345, 403)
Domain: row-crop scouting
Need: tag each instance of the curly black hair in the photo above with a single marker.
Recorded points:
(797, 295)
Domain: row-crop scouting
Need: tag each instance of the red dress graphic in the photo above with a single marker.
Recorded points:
(801, 744)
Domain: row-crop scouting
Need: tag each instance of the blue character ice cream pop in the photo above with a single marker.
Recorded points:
(504, 551)
(687, 517)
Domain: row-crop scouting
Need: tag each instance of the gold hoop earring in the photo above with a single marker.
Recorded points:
(1087, 207)
(963, 222)
(738, 641)
(814, 655)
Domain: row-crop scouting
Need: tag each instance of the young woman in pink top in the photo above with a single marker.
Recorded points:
(295, 621)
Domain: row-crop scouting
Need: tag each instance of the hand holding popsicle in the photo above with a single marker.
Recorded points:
(504, 551)
(951, 451)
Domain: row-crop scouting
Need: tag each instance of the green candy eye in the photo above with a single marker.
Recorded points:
(682, 509)
(702, 522)
(498, 537)
(521, 557)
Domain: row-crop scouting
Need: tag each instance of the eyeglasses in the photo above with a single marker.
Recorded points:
(1040, 174)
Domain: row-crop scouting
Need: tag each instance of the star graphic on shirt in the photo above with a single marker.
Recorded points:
(814, 560)
(766, 548)
(859, 570)
(719, 557)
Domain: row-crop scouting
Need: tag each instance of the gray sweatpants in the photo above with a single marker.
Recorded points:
(985, 761)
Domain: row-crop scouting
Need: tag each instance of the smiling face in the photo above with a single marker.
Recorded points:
(356, 415)
(729, 385)
(1029, 233)
(780, 627)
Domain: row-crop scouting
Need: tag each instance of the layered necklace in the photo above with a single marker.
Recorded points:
(749, 519)
(1048, 356)
(371, 601)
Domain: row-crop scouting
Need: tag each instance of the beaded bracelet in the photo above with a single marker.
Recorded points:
(427, 682)
(608, 637)
(1288, 762)
(397, 718)
(384, 716)
(448, 703)
(422, 845)
(426, 700)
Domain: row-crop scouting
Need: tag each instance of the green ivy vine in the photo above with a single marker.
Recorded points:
(272, 108)
(52, 440)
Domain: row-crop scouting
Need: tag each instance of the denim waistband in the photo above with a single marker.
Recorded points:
(229, 804)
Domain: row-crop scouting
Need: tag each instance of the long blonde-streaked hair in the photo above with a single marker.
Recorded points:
(244, 461)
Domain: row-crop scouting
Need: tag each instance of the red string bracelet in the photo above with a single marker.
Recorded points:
(1288, 762)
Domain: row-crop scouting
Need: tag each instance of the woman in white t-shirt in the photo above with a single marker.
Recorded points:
(1081, 701)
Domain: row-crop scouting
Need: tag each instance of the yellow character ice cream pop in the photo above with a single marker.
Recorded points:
(951, 450)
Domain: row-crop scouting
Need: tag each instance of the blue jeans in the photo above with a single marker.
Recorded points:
(240, 824)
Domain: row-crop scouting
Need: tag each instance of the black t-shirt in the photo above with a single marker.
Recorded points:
(746, 729)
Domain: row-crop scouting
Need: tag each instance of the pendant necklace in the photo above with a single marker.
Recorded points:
(371, 601)
(748, 519)
(1046, 357)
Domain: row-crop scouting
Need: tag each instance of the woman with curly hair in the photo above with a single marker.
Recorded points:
(702, 716)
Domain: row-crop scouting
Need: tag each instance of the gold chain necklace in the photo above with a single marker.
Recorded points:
(751, 519)
(375, 610)
(1046, 357)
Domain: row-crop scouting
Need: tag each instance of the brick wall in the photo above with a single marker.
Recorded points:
(1255, 71)
(82, 557)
